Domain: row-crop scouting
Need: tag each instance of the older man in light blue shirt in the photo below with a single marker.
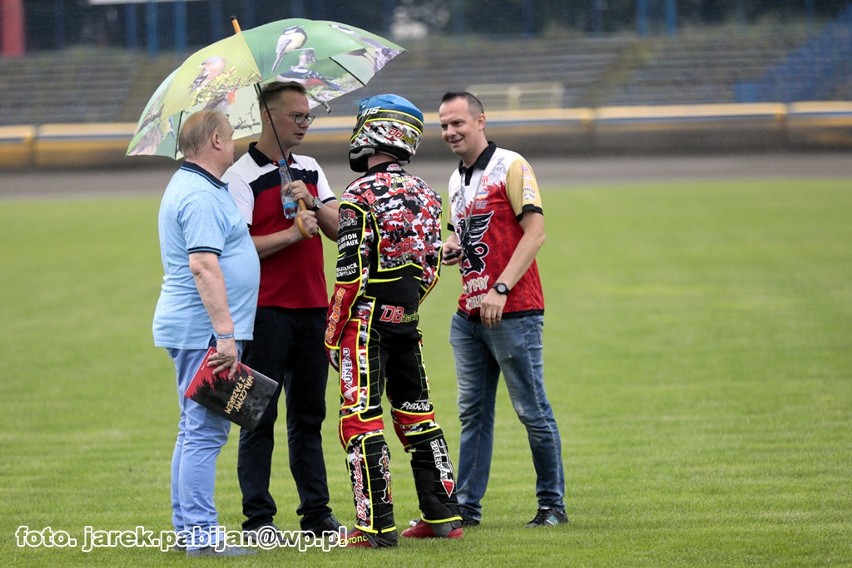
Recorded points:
(209, 295)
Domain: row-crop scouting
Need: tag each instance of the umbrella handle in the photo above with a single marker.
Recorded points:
(299, 224)
(302, 206)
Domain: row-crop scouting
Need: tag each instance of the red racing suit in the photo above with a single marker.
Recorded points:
(389, 253)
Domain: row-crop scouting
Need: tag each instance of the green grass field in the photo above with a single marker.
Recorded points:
(698, 345)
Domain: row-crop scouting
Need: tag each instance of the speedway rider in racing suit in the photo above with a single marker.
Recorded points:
(389, 244)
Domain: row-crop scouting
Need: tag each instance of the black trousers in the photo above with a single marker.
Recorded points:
(379, 356)
(288, 347)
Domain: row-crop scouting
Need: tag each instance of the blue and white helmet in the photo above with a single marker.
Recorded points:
(387, 124)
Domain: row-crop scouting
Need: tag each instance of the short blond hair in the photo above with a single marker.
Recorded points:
(197, 131)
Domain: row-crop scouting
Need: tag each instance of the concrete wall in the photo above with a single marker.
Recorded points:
(687, 129)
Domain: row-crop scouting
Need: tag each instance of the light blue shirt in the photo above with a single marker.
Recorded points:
(197, 214)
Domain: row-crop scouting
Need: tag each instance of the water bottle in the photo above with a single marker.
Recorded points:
(287, 202)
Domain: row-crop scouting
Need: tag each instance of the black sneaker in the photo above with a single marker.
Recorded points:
(547, 517)
(469, 522)
(325, 528)
(267, 535)
(221, 552)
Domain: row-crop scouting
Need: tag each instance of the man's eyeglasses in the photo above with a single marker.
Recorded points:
(300, 118)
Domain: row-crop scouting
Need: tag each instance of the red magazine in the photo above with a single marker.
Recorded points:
(241, 400)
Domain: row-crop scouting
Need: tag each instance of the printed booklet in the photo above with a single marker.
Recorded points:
(241, 400)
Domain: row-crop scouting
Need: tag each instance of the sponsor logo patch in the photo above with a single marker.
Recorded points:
(362, 503)
(346, 376)
(416, 406)
(442, 464)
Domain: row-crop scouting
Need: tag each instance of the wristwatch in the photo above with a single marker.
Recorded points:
(501, 288)
(316, 204)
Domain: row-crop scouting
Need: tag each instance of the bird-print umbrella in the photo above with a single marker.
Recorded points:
(329, 58)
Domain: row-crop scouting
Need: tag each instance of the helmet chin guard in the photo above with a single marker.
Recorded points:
(386, 124)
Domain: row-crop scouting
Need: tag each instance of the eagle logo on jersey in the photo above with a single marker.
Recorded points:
(475, 251)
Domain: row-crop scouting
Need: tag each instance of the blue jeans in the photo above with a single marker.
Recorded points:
(515, 348)
(201, 435)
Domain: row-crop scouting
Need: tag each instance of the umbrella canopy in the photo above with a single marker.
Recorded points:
(329, 59)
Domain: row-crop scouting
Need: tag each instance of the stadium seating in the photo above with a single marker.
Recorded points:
(703, 67)
(78, 85)
(819, 68)
(697, 66)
